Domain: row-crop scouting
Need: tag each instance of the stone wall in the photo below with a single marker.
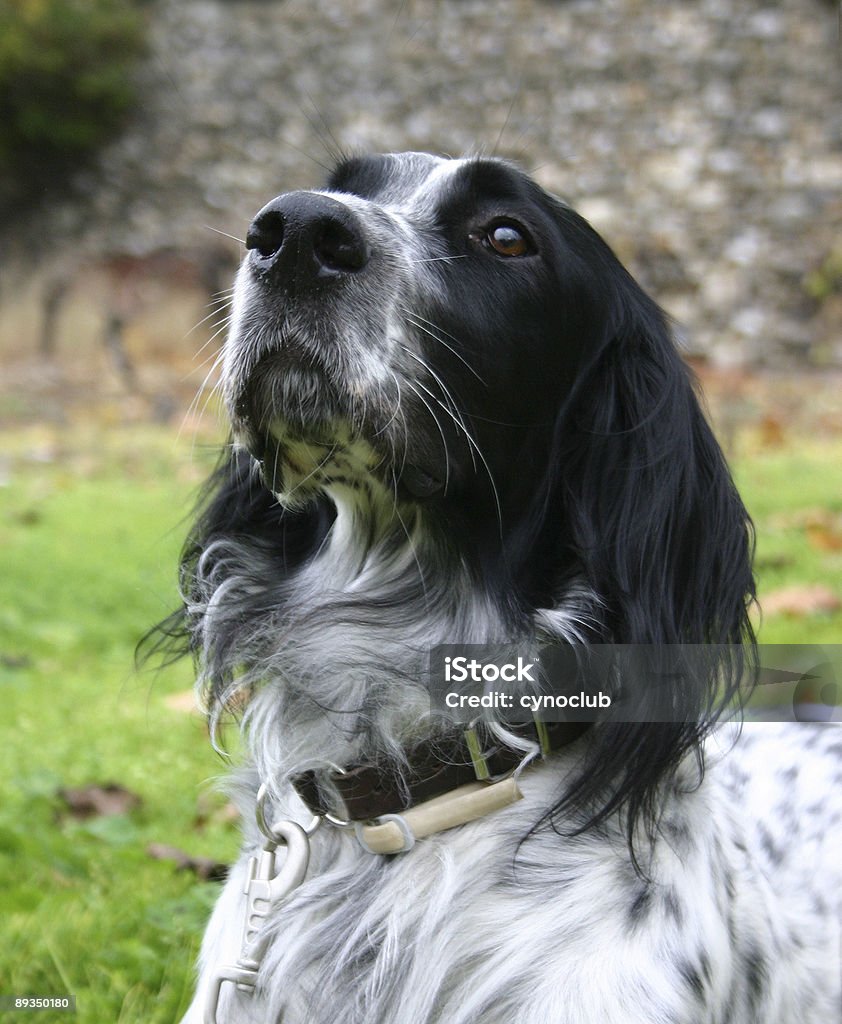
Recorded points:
(701, 138)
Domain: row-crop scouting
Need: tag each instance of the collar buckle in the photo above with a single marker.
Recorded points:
(266, 886)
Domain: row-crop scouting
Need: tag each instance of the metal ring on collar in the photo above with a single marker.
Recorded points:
(266, 829)
(329, 816)
(334, 819)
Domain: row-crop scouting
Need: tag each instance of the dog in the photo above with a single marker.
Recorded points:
(457, 420)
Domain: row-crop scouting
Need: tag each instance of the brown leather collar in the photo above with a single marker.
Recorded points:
(432, 767)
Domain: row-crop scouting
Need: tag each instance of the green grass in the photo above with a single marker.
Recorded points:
(784, 488)
(90, 536)
(90, 541)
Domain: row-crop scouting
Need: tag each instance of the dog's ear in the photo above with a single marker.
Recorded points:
(656, 522)
(653, 524)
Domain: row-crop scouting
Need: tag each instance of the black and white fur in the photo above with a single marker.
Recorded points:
(457, 418)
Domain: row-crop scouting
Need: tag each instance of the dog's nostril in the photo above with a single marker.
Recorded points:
(338, 248)
(266, 234)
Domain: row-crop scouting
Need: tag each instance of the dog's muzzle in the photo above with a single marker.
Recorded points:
(309, 383)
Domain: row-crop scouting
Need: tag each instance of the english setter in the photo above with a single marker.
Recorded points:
(458, 420)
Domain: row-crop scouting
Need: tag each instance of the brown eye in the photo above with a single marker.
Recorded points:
(508, 240)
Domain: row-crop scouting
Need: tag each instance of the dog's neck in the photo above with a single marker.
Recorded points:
(364, 611)
(372, 526)
(340, 675)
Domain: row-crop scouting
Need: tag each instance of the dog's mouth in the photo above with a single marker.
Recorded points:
(309, 435)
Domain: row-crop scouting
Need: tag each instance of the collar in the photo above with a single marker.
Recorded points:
(447, 780)
(450, 780)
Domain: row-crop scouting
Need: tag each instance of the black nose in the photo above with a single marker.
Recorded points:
(303, 238)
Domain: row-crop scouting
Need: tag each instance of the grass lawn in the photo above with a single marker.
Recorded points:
(90, 530)
(90, 538)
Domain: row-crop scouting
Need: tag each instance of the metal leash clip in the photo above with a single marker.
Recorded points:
(265, 887)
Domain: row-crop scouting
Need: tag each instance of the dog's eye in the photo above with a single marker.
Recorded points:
(506, 239)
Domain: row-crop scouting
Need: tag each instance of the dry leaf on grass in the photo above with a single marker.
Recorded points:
(203, 867)
(104, 800)
(763, 563)
(800, 601)
(772, 433)
(824, 536)
(821, 526)
(210, 811)
(184, 702)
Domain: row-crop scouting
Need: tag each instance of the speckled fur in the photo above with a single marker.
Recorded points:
(739, 921)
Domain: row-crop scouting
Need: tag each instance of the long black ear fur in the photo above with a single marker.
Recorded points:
(660, 533)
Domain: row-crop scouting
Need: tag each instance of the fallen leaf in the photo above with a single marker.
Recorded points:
(800, 601)
(15, 661)
(821, 520)
(210, 811)
(824, 536)
(771, 431)
(184, 702)
(779, 561)
(203, 867)
(788, 520)
(99, 801)
(29, 517)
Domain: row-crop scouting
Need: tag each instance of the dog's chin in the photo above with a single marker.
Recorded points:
(300, 459)
(284, 388)
(299, 466)
(309, 437)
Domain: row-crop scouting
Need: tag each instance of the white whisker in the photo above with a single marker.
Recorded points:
(432, 331)
(225, 234)
(434, 418)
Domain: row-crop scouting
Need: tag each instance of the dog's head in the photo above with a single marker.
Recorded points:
(446, 332)
(419, 323)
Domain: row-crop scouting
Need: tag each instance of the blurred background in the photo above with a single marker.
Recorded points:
(137, 140)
